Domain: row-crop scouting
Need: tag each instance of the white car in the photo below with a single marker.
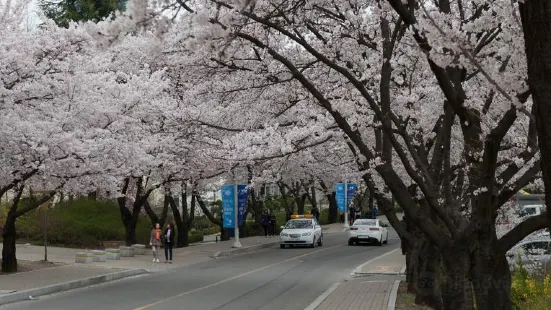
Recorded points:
(535, 252)
(368, 230)
(301, 230)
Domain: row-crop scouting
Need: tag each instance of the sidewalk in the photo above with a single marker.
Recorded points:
(391, 263)
(375, 289)
(19, 286)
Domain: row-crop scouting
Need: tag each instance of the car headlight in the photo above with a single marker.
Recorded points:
(307, 234)
(284, 235)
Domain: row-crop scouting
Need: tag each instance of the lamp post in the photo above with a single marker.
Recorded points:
(346, 225)
(236, 243)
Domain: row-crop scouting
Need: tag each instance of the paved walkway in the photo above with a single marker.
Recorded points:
(374, 286)
(359, 295)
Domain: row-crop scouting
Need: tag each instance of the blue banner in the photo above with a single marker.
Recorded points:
(351, 190)
(228, 206)
(339, 194)
(242, 198)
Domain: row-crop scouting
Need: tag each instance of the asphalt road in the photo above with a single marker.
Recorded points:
(269, 279)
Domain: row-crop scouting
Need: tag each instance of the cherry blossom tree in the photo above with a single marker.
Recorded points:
(63, 112)
(421, 79)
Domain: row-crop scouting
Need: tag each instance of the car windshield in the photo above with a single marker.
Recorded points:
(299, 224)
(365, 223)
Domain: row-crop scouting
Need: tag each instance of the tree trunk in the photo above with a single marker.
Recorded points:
(130, 221)
(428, 288)
(9, 260)
(130, 236)
(181, 224)
(413, 265)
(536, 24)
(457, 293)
(301, 200)
(491, 280)
(333, 209)
(93, 195)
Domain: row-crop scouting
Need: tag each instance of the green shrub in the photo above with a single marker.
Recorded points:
(195, 236)
(529, 293)
(212, 230)
(80, 223)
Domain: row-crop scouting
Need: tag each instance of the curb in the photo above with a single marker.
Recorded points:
(393, 295)
(246, 249)
(60, 287)
(322, 297)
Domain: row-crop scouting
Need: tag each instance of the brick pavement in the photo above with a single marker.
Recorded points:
(359, 294)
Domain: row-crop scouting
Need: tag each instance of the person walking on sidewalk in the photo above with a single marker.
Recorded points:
(155, 242)
(272, 223)
(264, 221)
(169, 242)
(316, 213)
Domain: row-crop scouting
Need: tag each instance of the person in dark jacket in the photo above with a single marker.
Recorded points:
(272, 223)
(315, 213)
(264, 221)
(169, 242)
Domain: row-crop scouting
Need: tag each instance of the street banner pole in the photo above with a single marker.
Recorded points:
(236, 243)
(346, 225)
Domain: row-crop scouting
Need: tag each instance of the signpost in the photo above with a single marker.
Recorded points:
(234, 204)
(344, 194)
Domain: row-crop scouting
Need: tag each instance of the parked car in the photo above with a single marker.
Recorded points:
(531, 252)
(368, 230)
(301, 230)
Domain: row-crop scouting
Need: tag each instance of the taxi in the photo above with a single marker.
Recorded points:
(303, 230)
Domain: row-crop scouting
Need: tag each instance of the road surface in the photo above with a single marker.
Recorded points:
(273, 278)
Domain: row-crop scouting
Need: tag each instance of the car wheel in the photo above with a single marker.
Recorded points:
(320, 242)
(282, 246)
(350, 242)
(386, 240)
(380, 242)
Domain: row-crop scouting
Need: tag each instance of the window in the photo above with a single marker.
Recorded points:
(536, 248)
(298, 224)
(364, 222)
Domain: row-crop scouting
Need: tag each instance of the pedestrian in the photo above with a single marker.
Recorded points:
(169, 242)
(358, 212)
(342, 217)
(264, 221)
(272, 223)
(316, 213)
(155, 242)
